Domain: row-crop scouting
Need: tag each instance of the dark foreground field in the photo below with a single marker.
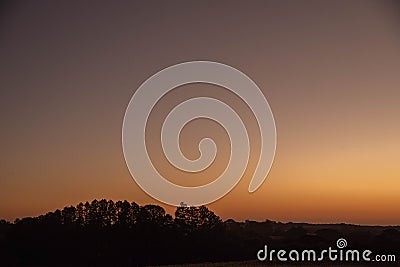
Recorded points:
(257, 264)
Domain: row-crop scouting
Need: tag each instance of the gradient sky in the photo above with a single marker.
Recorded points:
(329, 69)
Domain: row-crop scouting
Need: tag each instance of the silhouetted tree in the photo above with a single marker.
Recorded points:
(68, 215)
(190, 219)
(126, 213)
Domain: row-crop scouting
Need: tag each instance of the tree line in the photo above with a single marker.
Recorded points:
(104, 232)
(107, 213)
(122, 233)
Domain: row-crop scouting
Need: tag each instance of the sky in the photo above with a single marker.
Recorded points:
(330, 71)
